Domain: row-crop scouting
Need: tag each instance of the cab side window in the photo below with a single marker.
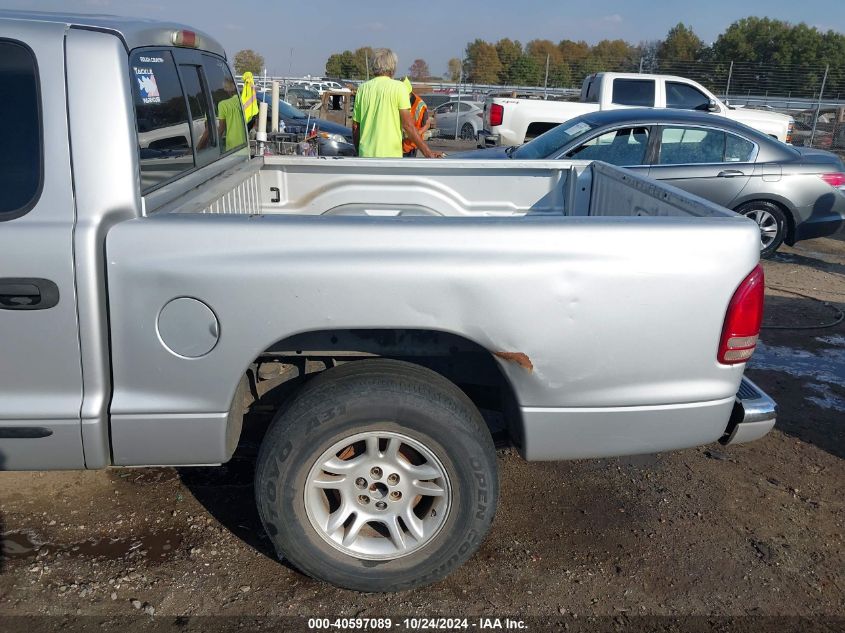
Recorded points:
(164, 134)
(685, 97)
(227, 104)
(20, 111)
(633, 92)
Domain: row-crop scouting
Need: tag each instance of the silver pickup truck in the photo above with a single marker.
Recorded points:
(155, 278)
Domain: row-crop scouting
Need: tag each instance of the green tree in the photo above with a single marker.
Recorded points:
(482, 63)
(525, 71)
(509, 51)
(574, 51)
(248, 60)
(681, 45)
(778, 57)
(346, 65)
(760, 40)
(616, 55)
(334, 65)
(454, 72)
(560, 74)
(362, 58)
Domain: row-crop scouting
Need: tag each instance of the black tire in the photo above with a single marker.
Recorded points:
(382, 396)
(757, 209)
(467, 132)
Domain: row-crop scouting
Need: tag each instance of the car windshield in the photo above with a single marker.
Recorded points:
(551, 141)
(288, 111)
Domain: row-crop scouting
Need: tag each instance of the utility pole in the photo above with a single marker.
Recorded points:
(546, 82)
(458, 106)
(728, 86)
(819, 105)
(367, 64)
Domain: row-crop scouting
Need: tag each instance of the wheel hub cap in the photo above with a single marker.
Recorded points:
(768, 226)
(377, 495)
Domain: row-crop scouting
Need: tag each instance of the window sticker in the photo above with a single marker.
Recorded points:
(578, 128)
(147, 85)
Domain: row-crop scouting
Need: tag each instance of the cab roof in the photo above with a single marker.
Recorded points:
(135, 32)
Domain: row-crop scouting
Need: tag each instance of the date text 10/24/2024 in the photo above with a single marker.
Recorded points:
(416, 624)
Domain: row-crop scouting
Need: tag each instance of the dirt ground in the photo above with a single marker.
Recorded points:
(754, 530)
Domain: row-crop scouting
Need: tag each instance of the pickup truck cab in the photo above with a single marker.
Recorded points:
(512, 121)
(154, 290)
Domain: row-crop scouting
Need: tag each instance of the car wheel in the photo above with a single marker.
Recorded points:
(771, 220)
(467, 132)
(379, 475)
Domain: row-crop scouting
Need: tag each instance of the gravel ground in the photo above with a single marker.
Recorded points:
(753, 530)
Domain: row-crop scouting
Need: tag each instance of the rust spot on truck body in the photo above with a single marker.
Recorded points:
(517, 357)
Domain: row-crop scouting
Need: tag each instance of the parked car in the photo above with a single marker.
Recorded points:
(145, 300)
(458, 119)
(511, 121)
(435, 99)
(829, 129)
(301, 97)
(792, 193)
(333, 139)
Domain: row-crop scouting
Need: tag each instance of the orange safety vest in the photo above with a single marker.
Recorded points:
(418, 110)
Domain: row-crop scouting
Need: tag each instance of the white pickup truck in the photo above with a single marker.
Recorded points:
(511, 120)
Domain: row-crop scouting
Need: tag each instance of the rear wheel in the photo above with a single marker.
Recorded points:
(771, 220)
(467, 132)
(379, 476)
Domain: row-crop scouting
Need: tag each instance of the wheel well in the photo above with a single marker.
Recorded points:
(790, 219)
(277, 373)
(537, 128)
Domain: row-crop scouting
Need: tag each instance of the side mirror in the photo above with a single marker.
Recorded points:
(713, 106)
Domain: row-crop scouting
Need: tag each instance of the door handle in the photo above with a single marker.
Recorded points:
(27, 293)
(730, 173)
(277, 196)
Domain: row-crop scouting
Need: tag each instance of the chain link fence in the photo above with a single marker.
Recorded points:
(813, 95)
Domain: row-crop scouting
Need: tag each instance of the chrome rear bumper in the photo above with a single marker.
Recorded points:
(488, 139)
(753, 415)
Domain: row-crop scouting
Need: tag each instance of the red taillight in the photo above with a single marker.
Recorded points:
(789, 130)
(184, 38)
(743, 320)
(497, 114)
(834, 179)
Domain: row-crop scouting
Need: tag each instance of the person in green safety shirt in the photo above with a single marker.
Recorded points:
(230, 120)
(382, 113)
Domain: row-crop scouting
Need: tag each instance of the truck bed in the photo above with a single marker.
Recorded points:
(610, 288)
(387, 188)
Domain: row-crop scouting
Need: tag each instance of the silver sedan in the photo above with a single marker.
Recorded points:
(793, 193)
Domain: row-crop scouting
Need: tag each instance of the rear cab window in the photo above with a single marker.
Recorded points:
(633, 92)
(592, 95)
(187, 110)
(21, 161)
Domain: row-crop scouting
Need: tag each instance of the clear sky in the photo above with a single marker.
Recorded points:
(436, 30)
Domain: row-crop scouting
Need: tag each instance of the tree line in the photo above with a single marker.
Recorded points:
(760, 47)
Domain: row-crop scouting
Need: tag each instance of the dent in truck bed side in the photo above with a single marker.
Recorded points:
(559, 290)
